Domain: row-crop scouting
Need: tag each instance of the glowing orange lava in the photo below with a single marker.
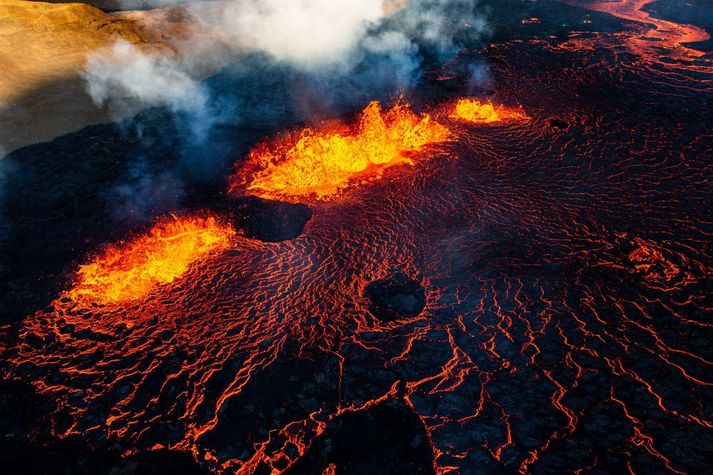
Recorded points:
(472, 110)
(321, 163)
(129, 271)
(676, 36)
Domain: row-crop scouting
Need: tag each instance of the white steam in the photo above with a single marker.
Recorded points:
(322, 56)
(142, 193)
(125, 76)
(321, 38)
(437, 23)
(303, 32)
(306, 34)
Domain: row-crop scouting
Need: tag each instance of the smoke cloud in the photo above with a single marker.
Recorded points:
(479, 77)
(298, 61)
(307, 33)
(354, 48)
(142, 193)
(125, 78)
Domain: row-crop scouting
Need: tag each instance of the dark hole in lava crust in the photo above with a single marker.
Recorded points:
(267, 220)
(396, 297)
(557, 123)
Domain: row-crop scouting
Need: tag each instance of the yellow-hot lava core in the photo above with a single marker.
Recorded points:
(129, 271)
(321, 163)
(472, 110)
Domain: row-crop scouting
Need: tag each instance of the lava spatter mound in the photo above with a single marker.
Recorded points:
(395, 298)
(477, 112)
(268, 220)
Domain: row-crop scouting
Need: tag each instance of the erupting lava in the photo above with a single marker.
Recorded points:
(129, 271)
(321, 163)
(536, 302)
(472, 110)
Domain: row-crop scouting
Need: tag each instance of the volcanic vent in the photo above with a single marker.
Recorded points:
(318, 164)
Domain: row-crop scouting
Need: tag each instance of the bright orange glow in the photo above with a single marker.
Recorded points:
(129, 271)
(321, 163)
(472, 110)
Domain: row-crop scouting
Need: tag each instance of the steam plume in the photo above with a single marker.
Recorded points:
(331, 57)
(339, 43)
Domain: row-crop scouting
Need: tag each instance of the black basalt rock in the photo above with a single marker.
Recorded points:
(386, 439)
(557, 123)
(267, 220)
(396, 297)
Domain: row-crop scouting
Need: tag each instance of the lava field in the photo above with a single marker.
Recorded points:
(516, 284)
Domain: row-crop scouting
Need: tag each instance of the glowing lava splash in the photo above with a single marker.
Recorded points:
(130, 271)
(323, 162)
(472, 110)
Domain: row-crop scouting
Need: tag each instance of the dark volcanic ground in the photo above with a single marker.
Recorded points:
(562, 264)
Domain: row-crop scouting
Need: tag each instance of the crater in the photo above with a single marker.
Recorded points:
(396, 297)
(268, 220)
(557, 123)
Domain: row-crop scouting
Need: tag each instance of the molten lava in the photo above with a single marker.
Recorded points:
(321, 163)
(472, 110)
(566, 261)
(129, 271)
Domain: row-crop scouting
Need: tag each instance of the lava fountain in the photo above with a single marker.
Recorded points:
(321, 163)
(472, 110)
(129, 271)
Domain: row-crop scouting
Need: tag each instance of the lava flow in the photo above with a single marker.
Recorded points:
(323, 162)
(472, 110)
(674, 35)
(539, 302)
(130, 271)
